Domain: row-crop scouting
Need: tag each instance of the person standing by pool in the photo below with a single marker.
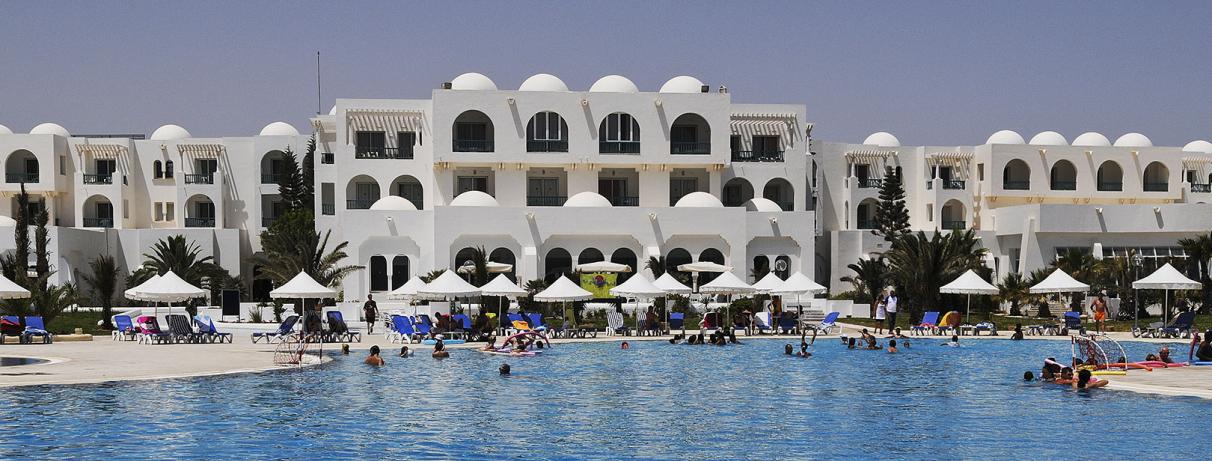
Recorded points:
(370, 311)
(1099, 306)
(374, 359)
(890, 306)
(881, 306)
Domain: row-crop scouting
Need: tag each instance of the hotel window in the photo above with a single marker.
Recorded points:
(370, 143)
(405, 140)
(679, 187)
(470, 183)
(765, 144)
(159, 216)
(125, 209)
(621, 127)
(157, 169)
(327, 199)
(169, 213)
(168, 169)
(546, 132)
(62, 165)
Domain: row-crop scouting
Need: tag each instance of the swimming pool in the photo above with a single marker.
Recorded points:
(655, 401)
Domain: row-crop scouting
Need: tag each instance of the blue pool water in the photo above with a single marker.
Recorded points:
(656, 401)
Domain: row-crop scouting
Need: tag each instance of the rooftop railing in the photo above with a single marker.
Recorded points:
(619, 147)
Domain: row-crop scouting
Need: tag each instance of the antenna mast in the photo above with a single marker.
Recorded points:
(318, 103)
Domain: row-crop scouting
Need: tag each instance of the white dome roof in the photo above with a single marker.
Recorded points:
(474, 198)
(762, 204)
(169, 133)
(279, 129)
(882, 139)
(588, 200)
(543, 82)
(5, 130)
(6, 221)
(393, 203)
(1198, 146)
(1005, 137)
(682, 84)
(50, 128)
(1049, 138)
(698, 200)
(473, 81)
(613, 84)
(1133, 140)
(1091, 139)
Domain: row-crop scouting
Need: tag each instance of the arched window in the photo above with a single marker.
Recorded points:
(1157, 177)
(590, 255)
(473, 132)
(779, 191)
(410, 188)
(1064, 176)
(1016, 175)
(21, 167)
(505, 256)
(953, 215)
(626, 257)
(399, 271)
(710, 255)
(361, 193)
(463, 257)
(737, 191)
(619, 133)
(157, 170)
(168, 169)
(690, 134)
(547, 132)
(782, 266)
(761, 266)
(675, 258)
(378, 273)
(865, 216)
(1110, 177)
(557, 263)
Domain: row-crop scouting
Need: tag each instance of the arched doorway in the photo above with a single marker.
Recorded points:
(710, 255)
(378, 273)
(1157, 177)
(779, 191)
(737, 191)
(410, 188)
(399, 271)
(557, 263)
(1110, 177)
(953, 215)
(626, 257)
(21, 167)
(1064, 176)
(505, 256)
(1016, 175)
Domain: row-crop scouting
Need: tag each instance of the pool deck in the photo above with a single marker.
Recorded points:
(104, 360)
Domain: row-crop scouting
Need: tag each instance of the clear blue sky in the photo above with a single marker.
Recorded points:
(932, 72)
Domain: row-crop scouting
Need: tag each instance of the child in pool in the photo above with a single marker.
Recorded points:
(954, 341)
(1085, 380)
(374, 359)
(891, 346)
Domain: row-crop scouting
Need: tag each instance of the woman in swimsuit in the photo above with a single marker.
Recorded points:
(374, 358)
(1085, 380)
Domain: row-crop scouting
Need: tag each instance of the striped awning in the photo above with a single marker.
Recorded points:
(102, 150)
(948, 158)
(201, 150)
(766, 124)
(1196, 162)
(863, 156)
(388, 120)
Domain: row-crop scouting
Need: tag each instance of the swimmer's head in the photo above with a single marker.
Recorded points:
(954, 338)
(892, 343)
(787, 349)
(1028, 376)
(374, 350)
(345, 349)
(503, 369)
(1083, 377)
(404, 351)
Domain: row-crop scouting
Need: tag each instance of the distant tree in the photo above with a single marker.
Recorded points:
(21, 231)
(656, 264)
(103, 281)
(291, 245)
(291, 186)
(42, 265)
(309, 176)
(1199, 251)
(1014, 290)
(891, 215)
(920, 265)
(870, 277)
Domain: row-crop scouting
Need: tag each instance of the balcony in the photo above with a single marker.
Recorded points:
(328, 209)
(199, 222)
(690, 148)
(14, 178)
(624, 200)
(199, 179)
(1016, 185)
(954, 225)
(954, 184)
(98, 179)
(546, 146)
(357, 204)
(1196, 187)
(1157, 186)
(1064, 185)
(866, 224)
(1107, 186)
(757, 155)
(272, 178)
(545, 200)
(619, 147)
(472, 145)
(869, 183)
(327, 158)
(99, 222)
(395, 153)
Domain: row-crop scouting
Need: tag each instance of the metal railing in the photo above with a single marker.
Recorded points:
(618, 147)
(689, 148)
(1016, 185)
(328, 209)
(757, 155)
(13, 178)
(546, 146)
(954, 184)
(865, 224)
(267, 221)
(869, 183)
(98, 179)
(1157, 186)
(472, 145)
(1196, 187)
(382, 153)
(199, 179)
(199, 222)
(358, 204)
(954, 225)
(545, 200)
(1111, 186)
(328, 158)
(1064, 185)
(271, 178)
(624, 200)
(99, 222)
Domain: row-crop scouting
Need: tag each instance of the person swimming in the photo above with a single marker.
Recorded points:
(954, 341)
(1028, 376)
(490, 345)
(787, 349)
(891, 346)
(374, 358)
(804, 351)
(503, 369)
(1066, 376)
(1085, 380)
(626, 345)
(852, 343)
(344, 349)
(405, 352)
(439, 349)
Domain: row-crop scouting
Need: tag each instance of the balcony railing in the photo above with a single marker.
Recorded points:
(757, 155)
(98, 179)
(267, 221)
(328, 209)
(13, 178)
(358, 204)
(954, 225)
(869, 183)
(619, 147)
(327, 158)
(1196, 187)
(1111, 186)
(545, 200)
(382, 153)
(954, 184)
(472, 145)
(1064, 185)
(624, 200)
(1016, 185)
(866, 224)
(689, 148)
(99, 222)
(546, 146)
(1157, 186)
(199, 222)
(271, 178)
(199, 179)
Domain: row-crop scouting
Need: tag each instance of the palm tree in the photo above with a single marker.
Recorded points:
(656, 264)
(920, 265)
(1199, 250)
(479, 257)
(174, 253)
(1014, 290)
(1080, 265)
(103, 281)
(870, 277)
(1033, 279)
(291, 245)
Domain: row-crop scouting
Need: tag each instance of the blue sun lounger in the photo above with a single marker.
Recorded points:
(1073, 322)
(536, 321)
(829, 323)
(929, 324)
(1180, 327)
(402, 330)
(124, 328)
(35, 327)
(283, 330)
(677, 321)
(423, 325)
(339, 330)
(206, 327)
(787, 324)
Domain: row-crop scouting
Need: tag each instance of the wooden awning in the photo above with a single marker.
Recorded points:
(766, 124)
(948, 158)
(102, 150)
(387, 120)
(867, 156)
(210, 150)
